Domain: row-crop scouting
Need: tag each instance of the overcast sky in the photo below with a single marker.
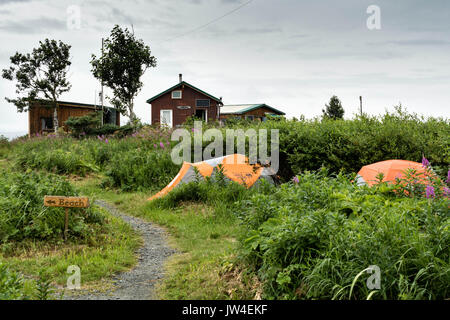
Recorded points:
(290, 54)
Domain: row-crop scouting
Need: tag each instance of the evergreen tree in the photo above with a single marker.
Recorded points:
(333, 109)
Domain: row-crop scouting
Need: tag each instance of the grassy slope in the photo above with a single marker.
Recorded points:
(107, 253)
(202, 268)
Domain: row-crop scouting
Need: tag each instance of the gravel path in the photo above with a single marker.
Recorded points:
(138, 283)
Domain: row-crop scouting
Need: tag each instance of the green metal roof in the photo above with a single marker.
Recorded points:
(178, 85)
(243, 108)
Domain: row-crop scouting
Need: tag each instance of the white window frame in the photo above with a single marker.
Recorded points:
(181, 94)
(170, 125)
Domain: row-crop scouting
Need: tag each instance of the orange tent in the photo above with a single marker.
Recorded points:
(390, 169)
(235, 168)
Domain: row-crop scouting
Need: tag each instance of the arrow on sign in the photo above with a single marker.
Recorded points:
(51, 202)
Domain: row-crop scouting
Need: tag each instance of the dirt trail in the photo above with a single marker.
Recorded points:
(138, 283)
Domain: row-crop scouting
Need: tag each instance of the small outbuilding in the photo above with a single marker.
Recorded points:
(40, 115)
(258, 111)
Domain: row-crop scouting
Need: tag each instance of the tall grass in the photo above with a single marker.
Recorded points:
(22, 211)
(311, 240)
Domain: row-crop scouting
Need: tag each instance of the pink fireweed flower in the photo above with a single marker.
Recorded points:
(448, 177)
(429, 192)
(106, 141)
(446, 192)
(155, 146)
(425, 162)
(295, 180)
(161, 145)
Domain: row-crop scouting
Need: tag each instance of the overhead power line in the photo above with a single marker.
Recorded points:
(209, 23)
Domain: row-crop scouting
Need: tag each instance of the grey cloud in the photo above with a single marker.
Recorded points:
(11, 1)
(260, 30)
(421, 42)
(32, 26)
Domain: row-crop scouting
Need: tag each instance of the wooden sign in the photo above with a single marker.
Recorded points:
(183, 107)
(66, 202)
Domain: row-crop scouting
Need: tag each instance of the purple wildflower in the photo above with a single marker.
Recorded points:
(106, 141)
(448, 177)
(295, 180)
(155, 145)
(161, 145)
(446, 192)
(429, 192)
(99, 138)
(425, 162)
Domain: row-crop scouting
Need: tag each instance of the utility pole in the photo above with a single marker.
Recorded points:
(101, 93)
(360, 105)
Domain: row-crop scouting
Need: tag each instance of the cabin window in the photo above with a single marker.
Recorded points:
(251, 118)
(166, 118)
(202, 103)
(176, 94)
(46, 123)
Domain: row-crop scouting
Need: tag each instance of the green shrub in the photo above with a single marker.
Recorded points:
(57, 161)
(5, 146)
(140, 170)
(11, 285)
(24, 216)
(106, 129)
(311, 240)
(125, 130)
(84, 125)
(350, 144)
(213, 193)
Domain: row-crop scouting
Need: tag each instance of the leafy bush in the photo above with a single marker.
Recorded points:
(351, 144)
(106, 129)
(140, 170)
(214, 193)
(11, 285)
(56, 161)
(24, 216)
(85, 124)
(311, 240)
(66, 155)
(5, 146)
